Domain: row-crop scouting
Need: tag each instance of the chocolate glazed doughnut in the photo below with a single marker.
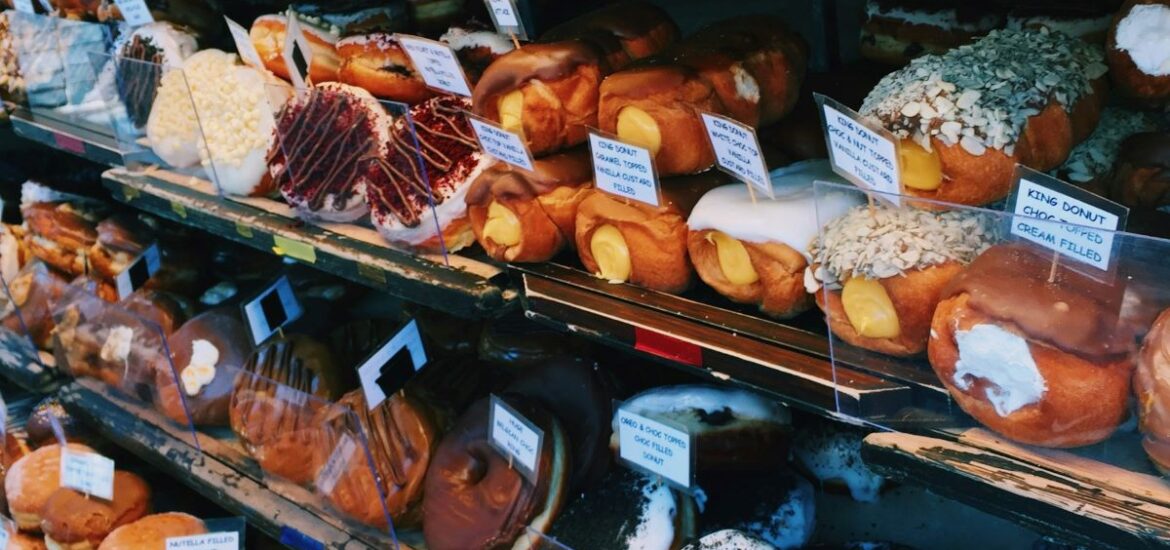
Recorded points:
(473, 499)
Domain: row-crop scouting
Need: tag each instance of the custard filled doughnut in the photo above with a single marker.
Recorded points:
(377, 63)
(963, 121)
(1141, 176)
(620, 240)
(206, 352)
(521, 216)
(878, 272)
(1151, 390)
(268, 36)
(468, 481)
(896, 31)
(756, 251)
(1138, 50)
(1039, 355)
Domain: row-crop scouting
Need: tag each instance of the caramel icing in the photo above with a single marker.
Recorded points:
(504, 181)
(550, 61)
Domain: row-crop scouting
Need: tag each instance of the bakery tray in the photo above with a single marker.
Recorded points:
(467, 287)
(88, 143)
(784, 360)
(280, 510)
(1075, 497)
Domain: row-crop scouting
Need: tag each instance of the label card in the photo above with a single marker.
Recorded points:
(500, 143)
(622, 169)
(209, 541)
(297, 53)
(140, 270)
(388, 369)
(5, 534)
(135, 12)
(654, 447)
(506, 18)
(272, 310)
(333, 469)
(23, 6)
(3, 423)
(244, 45)
(737, 152)
(439, 67)
(865, 156)
(1043, 197)
(515, 437)
(90, 473)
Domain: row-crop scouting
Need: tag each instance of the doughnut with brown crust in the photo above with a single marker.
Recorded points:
(378, 63)
(1146, 83)
(268, 36)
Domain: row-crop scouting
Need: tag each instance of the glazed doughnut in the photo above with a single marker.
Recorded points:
(206, 352)
(1138, 50)
(476, 49)
(884, 269)
(620, 241)
(628, 511)
(738, 247)
(60, 234)
(473, 499)
(31, 481)
(1150, 389)
(964, 121)
(1141, 176)
(1090, 164)
(896, 31)
(1042, 363)
(749, 68)
(377, 63)
(521, 216)
(268, 36)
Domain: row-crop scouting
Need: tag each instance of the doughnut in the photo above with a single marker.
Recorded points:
(153, 531)
(39, 426)
(1038, 362)
(325, 138)
(725, 539)
(31, 481)
(621, 32)
(896, 31)
(1141, 175)
(142, 58)
(877, 274)
(1150, 389)
(268, 36)
(756, 251)
(12, 86)
(776, 507)
(1138, 51)
(71, 519)
(61, 234)
(476, 49)
(206, 352)
(830, 453)
(627, 511)
(35, 291)
(964, 120)
(377, 63)
(1090, 164)
(353, 17)
(1087, 23)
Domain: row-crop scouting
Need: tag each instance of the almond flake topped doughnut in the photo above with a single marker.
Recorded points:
(1094, 157)
(980, 96)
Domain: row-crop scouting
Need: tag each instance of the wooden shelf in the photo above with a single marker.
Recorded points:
(86, 142)
(28, 372)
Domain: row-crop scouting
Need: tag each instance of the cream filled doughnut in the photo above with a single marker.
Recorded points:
(756, 251)
(1138, 50)
(476, 49)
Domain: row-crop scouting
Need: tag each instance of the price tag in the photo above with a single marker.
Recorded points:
(515, 437)
(3, 425)
(5, 533)
(387, 370)
(624, 170)
(209, 541)
(140, 270)
(506, 18)
(439, 67)
(335, 467)
(135, 12)
(865, 156)
(500, 143)
(272, 310)
(23, 6)
(654, 447)
(244, 45)
(1043, 197)
(298, 55)
(90, 473)
(737, 152)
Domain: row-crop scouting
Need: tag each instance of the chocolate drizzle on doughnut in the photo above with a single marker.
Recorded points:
(138, 76)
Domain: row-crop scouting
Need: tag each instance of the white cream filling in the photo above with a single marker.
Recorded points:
(680, 403)
(201, 370)
(459, 39)
(117, 346)
(655, 530)
(746, 86)
(1004, 361)
(1145, 35)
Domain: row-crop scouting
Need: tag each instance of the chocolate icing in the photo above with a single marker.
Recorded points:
(682, 192)
(138, 76)
(402, 436)
(1075, 313)
(550, 61)
(1148, 149)
(502, 181)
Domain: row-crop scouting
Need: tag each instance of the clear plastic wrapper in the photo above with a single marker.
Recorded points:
(128, 88)
(18, 349)
(28, 301)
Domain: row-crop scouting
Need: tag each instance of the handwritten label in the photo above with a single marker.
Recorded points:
(500, 143)
(272, 310)
(138, 272)
(622, 169)
(506, 18)
(23, 6)
(655, 447)
(1042, 197)
(209, 541)
(866, 157)
(437, 63)
(515, 437)
(298, 55)
(244, 45)
(335, 467)
(737, 151)
(90, 473)
(135, 12)
(388, 369)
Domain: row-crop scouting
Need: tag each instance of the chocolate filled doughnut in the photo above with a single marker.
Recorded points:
(71, 519)
(377, 63)
(153, 531)
(31, 481)
(268, 36)
(777, 507)
(896, 31)
(628, 510)
(473, 499)
(206, 352)
(1138, 51)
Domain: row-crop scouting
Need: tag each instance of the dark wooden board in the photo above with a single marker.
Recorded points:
(23, 365)
(87, 143)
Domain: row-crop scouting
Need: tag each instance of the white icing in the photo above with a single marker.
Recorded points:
(460, 39)
(655, 530)
(201, 370)
(791, 219)
(173, 127)
(730, 539)
(117, 346)
(746, 86)
(1078, 27)
(792, 524)
(943, 19)
(835, 456)
(1004, 362)
(237, 141)
(680, 403)
(1145, 34)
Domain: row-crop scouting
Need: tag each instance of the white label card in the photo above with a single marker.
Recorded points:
(737, 151)
(298, 55)
(4, 535)
(866, 157)
(1042, 197)
(500, 143)
(654, 447)
(333, 469)
(515, 437)
(90, 473)
(387, 369)
(3, 424)
(209, 541)
(272, 310)
(624, 170)
(138, 272)
(135, 12)
(244, 45)
(506, 18)
(23, 6)
(437, 62)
